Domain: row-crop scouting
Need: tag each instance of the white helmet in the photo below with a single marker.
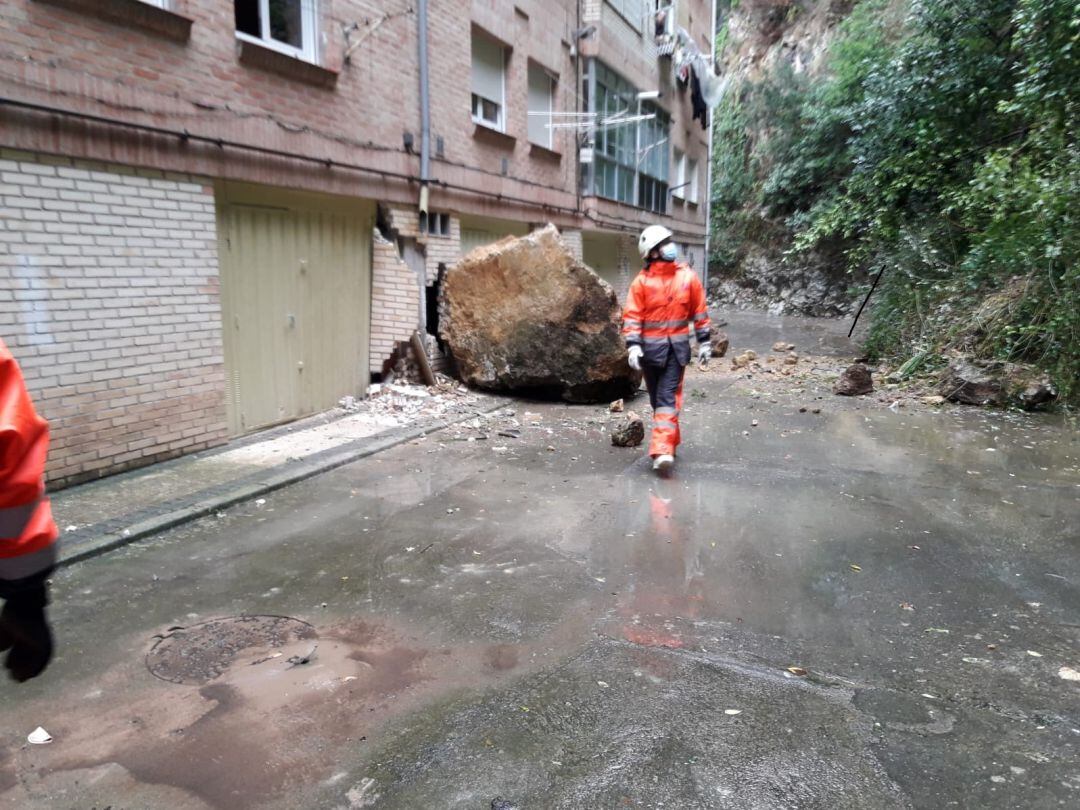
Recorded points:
(651, 237)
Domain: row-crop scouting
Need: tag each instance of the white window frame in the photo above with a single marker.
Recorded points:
(678, 190)
(548, 141)
(476, 100)
(632, 11)
(159, 3)
(308, 23)
(691, 178)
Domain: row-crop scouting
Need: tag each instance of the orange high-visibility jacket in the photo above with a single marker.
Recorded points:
(27, 531)
(662, 301)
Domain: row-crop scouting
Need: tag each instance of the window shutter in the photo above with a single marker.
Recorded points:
(540, 100)
(487, 69)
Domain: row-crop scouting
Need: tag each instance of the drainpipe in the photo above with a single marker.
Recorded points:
(709, 167)
(577, 108)
(425, 105)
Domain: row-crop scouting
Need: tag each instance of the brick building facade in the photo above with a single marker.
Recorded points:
(211, 214)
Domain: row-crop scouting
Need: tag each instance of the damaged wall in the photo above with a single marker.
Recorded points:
(395, 301)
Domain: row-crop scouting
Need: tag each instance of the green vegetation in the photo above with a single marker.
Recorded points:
(941, 145)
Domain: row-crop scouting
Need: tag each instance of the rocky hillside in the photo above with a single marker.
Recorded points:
(763, 45)
(931, 145)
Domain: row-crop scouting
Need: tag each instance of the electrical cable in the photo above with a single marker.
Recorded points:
(330, 163)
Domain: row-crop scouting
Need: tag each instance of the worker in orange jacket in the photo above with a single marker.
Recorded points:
(27, 530)
(663, 300)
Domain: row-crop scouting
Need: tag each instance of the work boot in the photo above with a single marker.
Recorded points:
(24, 630)
(662, 463)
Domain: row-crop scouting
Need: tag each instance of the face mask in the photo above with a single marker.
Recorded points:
(668, 252)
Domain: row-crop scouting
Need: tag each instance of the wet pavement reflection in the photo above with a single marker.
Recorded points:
(857, 608)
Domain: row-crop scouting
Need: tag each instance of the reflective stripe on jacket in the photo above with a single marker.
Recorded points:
(27, 531)
(661, 303)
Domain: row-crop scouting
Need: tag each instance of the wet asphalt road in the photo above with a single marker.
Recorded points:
(559, 628)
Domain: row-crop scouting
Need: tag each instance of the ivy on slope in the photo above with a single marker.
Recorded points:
(942, 145)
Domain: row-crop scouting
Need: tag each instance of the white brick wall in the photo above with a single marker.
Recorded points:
(109, 301)
(438, 249)
(572, 240)
(629, 265)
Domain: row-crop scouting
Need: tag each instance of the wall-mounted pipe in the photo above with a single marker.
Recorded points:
(425, 104)
(184, 136)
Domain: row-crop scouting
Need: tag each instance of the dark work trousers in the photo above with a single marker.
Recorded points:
(665, 385)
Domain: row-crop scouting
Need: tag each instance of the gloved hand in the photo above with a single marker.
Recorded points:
(25, 631)
(633, 357)
(704, 352)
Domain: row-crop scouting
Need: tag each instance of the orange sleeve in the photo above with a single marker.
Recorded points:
(634, 314)
(699, 309)
(26, 524)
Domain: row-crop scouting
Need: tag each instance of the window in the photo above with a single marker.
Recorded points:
(665, 18)
(630, 163)
(158, 3)
(679, 188)
(488, 82)
(541, 100)
(284, 25)
(691, 178)
(686, 178)
(653, 159)
(435, 224)
(633, 11)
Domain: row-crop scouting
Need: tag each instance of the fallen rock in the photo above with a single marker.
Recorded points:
(617, 406)
(854, 382)
(996, 383)
(743, 360)
(1036, 392)
(720, 345)
(524, 315)
(973, 383)
(629, 432)
(781, 346)
(933, 399)
(791, 359)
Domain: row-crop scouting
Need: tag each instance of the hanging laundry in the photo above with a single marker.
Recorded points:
(697, 100)
(707, 88)
(712, 86)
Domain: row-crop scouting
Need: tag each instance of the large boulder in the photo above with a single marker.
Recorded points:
(524, 315)
(973, 383)
(996, 383)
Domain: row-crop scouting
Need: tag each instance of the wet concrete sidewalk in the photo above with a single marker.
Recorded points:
(859, 608)
(102, 515)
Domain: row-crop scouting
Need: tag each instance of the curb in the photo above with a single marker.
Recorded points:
(95, 547)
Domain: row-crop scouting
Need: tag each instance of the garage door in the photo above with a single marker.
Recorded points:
(296, 302)
(601, 253)
(478, 231)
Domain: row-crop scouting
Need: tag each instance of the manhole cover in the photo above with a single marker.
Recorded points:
(202, 652)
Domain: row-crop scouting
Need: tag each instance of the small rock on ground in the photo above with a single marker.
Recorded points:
(629, 432)
(855, 381)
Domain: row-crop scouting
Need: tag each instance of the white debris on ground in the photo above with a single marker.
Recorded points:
(386, 407)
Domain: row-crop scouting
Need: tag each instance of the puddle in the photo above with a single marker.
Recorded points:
(198, 654)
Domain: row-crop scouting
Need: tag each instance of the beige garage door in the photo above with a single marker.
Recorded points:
(295, 302)
(601, 253)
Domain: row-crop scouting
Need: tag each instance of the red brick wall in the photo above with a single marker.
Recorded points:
(77, 60)
(162, 400)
